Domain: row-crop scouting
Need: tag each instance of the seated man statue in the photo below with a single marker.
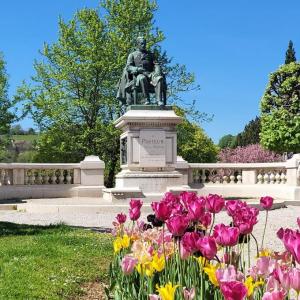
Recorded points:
(142, 75)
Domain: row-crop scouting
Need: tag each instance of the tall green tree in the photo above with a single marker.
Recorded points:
(193, 143)
(250, 134)
(227, 141)
(290, 55)
(72, 95)
(6, 116)
(280, 110)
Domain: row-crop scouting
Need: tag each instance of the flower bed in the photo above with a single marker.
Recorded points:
(180, 253)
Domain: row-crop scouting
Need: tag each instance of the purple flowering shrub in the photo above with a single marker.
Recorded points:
(248, 154)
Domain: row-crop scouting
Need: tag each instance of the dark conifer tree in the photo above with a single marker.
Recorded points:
(290, 55)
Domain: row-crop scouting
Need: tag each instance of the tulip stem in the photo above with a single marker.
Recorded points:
(263, 237)
(212, 225)
(257, 251)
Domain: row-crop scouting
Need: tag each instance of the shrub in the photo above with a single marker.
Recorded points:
(248, 154)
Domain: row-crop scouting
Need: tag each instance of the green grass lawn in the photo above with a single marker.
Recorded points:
(25, 137)
(50, 262)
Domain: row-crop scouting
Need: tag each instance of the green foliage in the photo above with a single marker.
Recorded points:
(72, 95)
(50, 262)
(193, 144)
(290, 55)
(6, 117)
(280, 110)
(227, 141)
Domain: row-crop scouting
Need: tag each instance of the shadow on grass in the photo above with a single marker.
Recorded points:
(7, 228)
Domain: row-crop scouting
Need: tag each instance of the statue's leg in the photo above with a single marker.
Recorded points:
(128, 99)
(159, 92)
(143, 83)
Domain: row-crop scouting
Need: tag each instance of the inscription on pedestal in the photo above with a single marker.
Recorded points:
(152, 148)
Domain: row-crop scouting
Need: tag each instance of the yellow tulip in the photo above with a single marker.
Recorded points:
(264, 252)
(145, 269)
(125, 241)
(117, 245)
(210, 270)
(158, 263)
(251, 285)
(167, 292)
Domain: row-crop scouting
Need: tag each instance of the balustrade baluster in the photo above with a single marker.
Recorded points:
(26, 177)
(203, 176)
(277, 177)
(239, 177)
(272, 177)
(53, 177)
(68, 177)
(46, 177)
(61, 177)
(266, 178)
(2, 177)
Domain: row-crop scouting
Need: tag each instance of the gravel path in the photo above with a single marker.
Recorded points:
(284, 217)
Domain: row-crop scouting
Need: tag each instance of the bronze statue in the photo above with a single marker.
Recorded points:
(141, 77)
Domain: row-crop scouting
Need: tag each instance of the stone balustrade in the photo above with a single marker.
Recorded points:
(239, 173)
(278, 179)
(39, 180)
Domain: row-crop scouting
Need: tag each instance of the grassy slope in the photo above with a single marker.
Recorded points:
(25, 137)
(50, 262)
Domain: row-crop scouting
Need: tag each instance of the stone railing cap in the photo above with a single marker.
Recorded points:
(92, 162)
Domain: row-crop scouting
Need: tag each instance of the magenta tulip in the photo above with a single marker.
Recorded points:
(266, 202)
(135, 203)
(233, 290)
(188, 197)
(177, 224)
(162, 210)
(134, 213)
(121, 218)
(226, 235)
(205, 219)
(128, 264)
(196, 210)
(232, 206)
(207, 246)
(291, 241)
(189, 241)
(214, 203)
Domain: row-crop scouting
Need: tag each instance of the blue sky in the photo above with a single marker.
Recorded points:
(231, 46)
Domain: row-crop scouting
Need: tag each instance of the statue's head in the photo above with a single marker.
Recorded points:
(141, 43)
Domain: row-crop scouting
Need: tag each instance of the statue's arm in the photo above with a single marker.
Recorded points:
(130, 67)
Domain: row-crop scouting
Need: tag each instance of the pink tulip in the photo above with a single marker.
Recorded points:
(265, 266)
(121, 218)
(177, 224)
(214, 203)
(294, 276)
(189, 241)
(207, 246)
(189, 294)
(233, 290)
(283, 276)
(205, 219)
(196, 209)
(226, 274)
(162, 210)
(266, 202)
(291, 241)
(226, 235)
(275, 295)
(128, 264)
(154, 297)
(184, 253)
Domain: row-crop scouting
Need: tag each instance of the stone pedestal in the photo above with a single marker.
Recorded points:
(148, 146)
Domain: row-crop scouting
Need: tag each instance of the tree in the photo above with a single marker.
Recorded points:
(6, 117)
(227, 141)
(290, 55)
(192, 142)
(280, 110)
(72, 96)
(250, 134)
